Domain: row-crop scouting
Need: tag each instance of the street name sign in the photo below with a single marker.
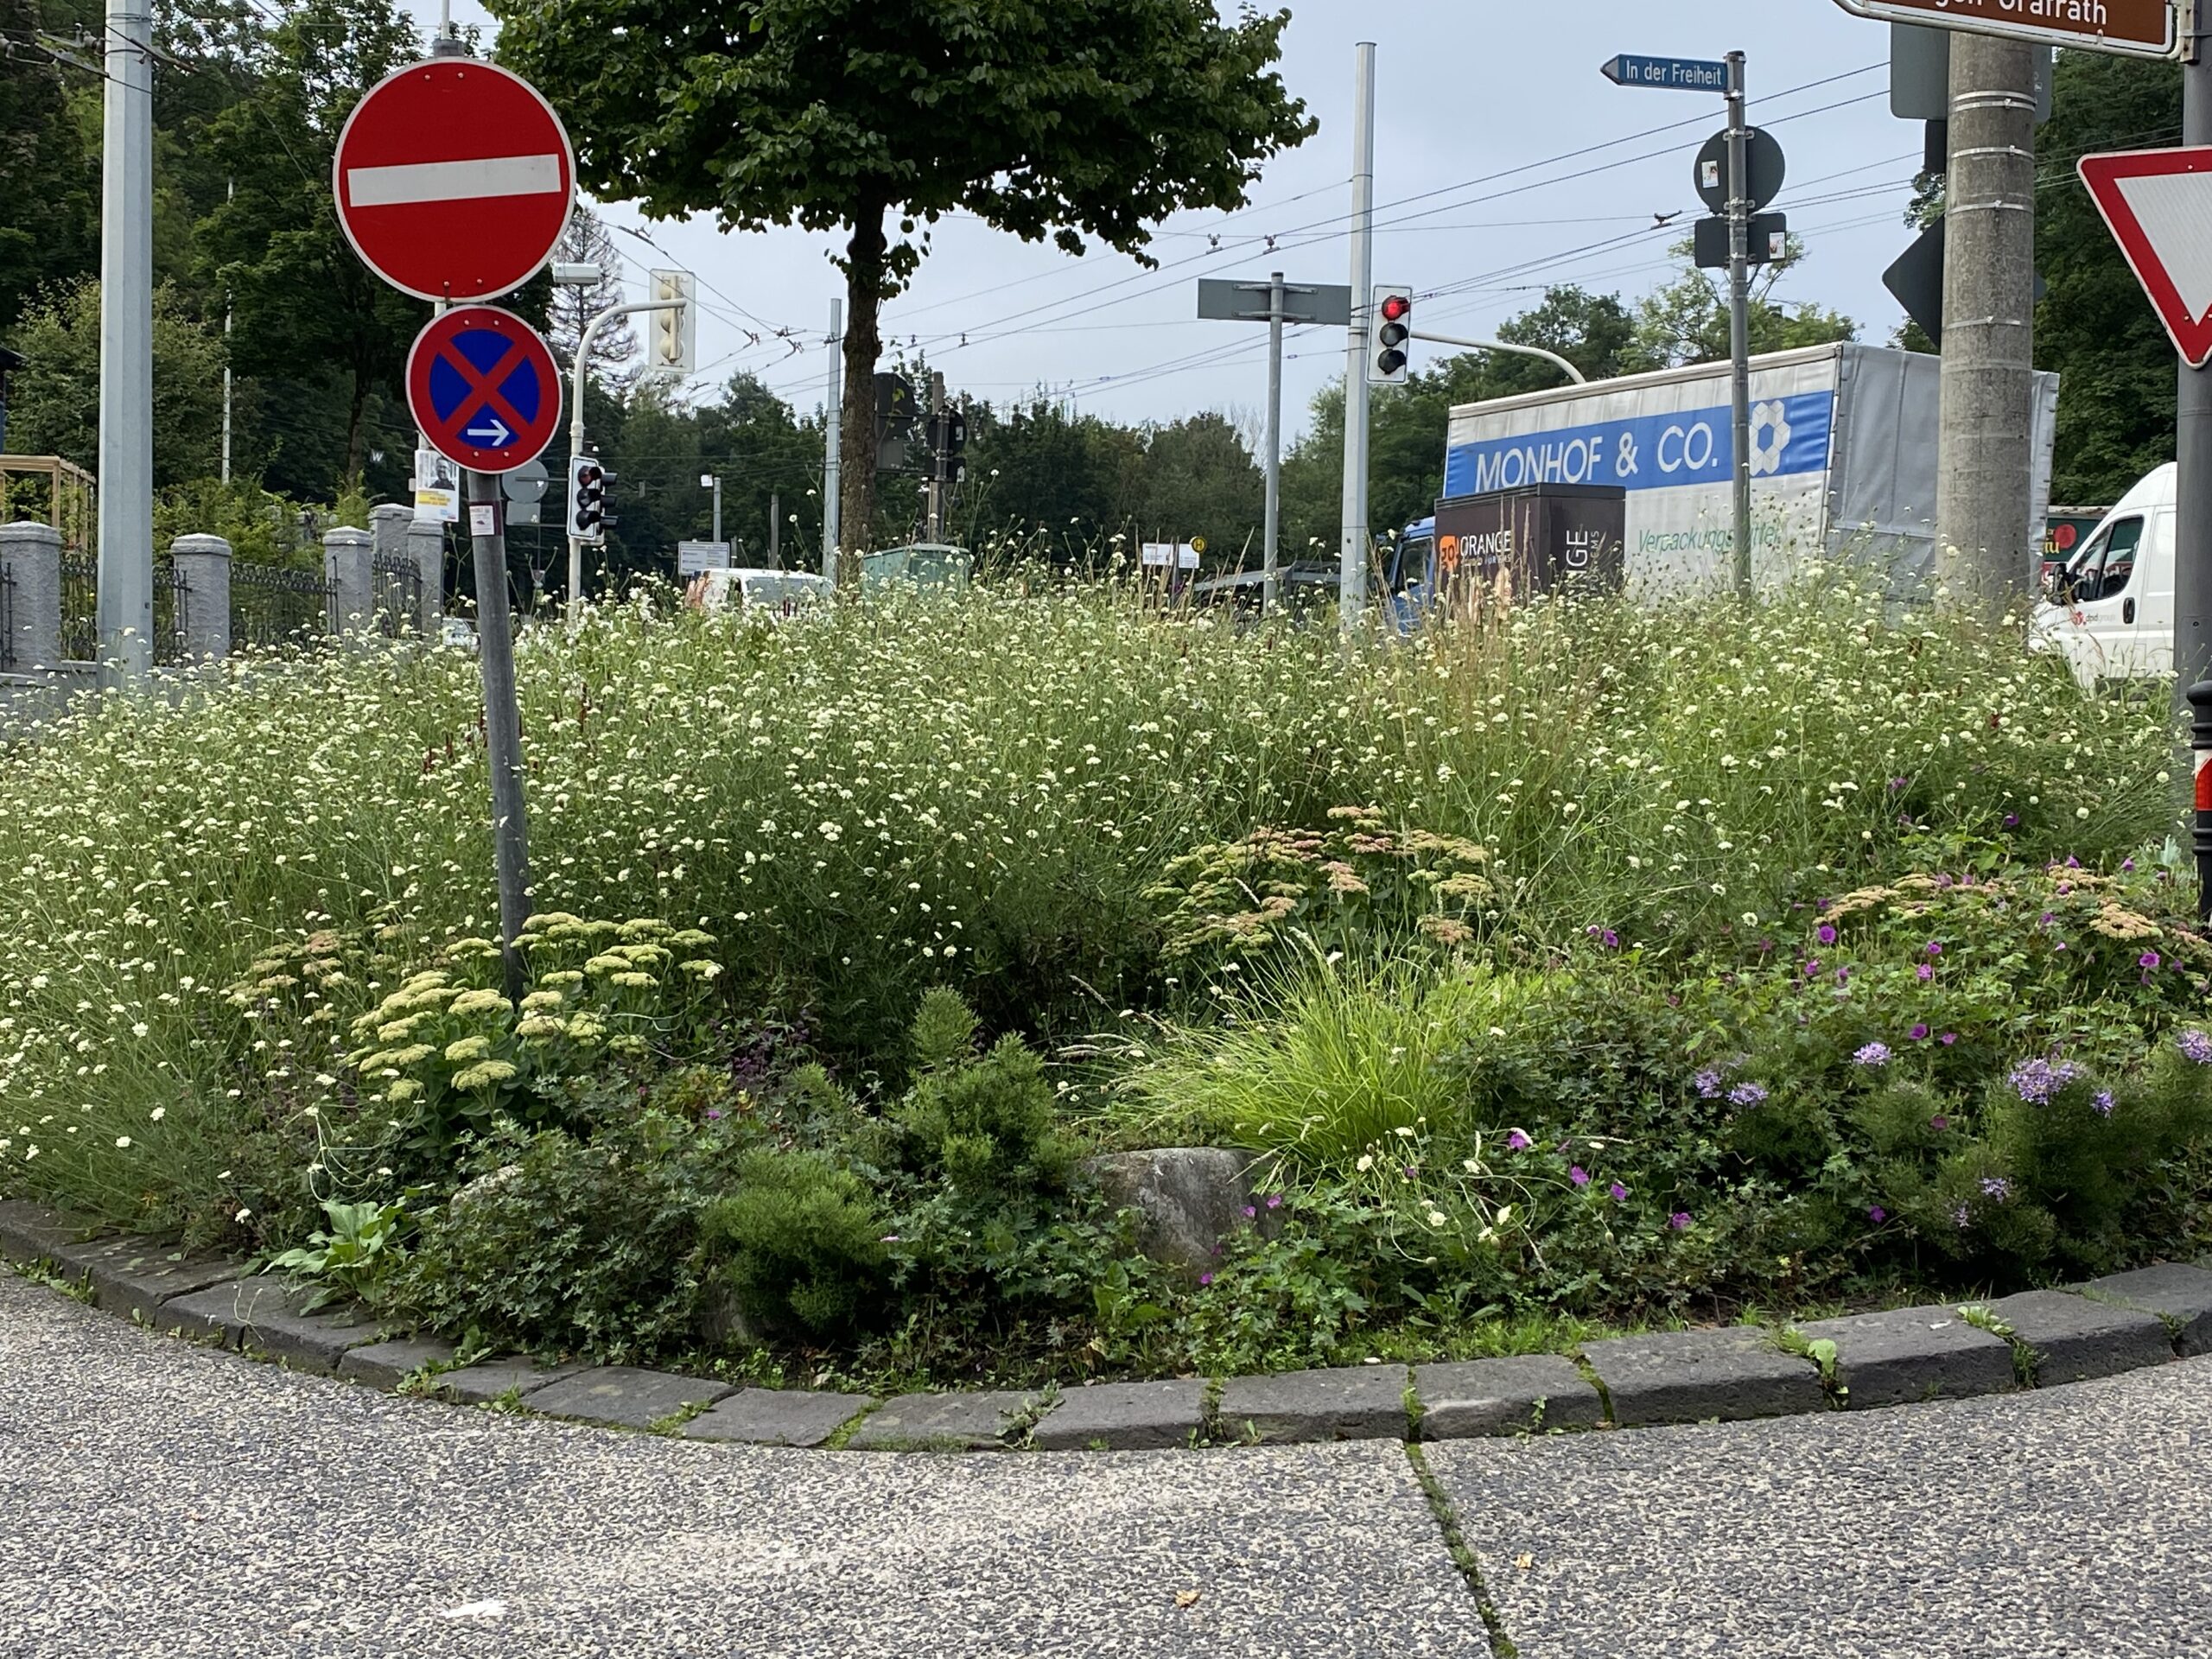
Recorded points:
(2140, 29)
(483, 388)
(1667, 74)
(2158, 203)
(454, 179)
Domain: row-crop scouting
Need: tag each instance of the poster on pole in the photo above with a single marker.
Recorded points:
(437, 489)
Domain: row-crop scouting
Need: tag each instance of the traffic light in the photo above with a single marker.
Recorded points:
(675, 349)
(894, 420)
(588, 498)
(1389, 327)
(948, 440)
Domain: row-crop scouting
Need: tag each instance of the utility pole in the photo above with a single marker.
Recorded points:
(1271, 560)
(502, 720)
(126, 606)
(832, 475)
(230, 194)
(1739, 315)
(2193, 431)
(775, 531)
(1351, 552)
(936, 530)
(716, 480)
(1982, 534)
(576, 442)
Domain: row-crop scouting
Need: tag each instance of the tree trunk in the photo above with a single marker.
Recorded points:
(355, 417)
(856, 442)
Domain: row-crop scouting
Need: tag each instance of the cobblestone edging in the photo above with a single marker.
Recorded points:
(2120, 1323)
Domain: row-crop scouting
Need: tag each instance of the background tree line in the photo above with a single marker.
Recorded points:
(248, 104)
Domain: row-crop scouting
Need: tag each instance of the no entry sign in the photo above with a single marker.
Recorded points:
(483, 388)
(454, 179)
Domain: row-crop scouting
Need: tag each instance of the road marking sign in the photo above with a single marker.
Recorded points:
(454, 179)
(2140, 29)
(483, 387)
(2159, 204)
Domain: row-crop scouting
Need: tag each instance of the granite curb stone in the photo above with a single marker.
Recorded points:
(777, 1417)
(2075, 1338)
(1906, 1354)
(133, 1277)
(267, 1316)
(387, 1364)
(2175, 1291)
(494, 1379)
(1125, 1417)
(972, 1422)
(1522, 1395)
(1351, 1402)
(32, 1232)
(1679, 1376)
(625, 1396)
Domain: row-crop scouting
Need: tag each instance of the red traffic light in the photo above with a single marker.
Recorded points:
(1396, 306)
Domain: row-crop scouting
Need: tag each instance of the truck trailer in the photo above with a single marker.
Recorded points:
(1843, 452)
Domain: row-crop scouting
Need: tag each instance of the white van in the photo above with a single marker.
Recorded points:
(774, 593)
(2111, 610)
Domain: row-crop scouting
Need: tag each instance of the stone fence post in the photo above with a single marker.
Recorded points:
(203, 565)
(426, 545)
(348, 558)
(30, 591)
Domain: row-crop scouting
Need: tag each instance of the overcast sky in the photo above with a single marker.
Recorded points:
(1504, 163)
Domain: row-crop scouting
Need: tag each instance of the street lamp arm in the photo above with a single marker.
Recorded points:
(1573, 373)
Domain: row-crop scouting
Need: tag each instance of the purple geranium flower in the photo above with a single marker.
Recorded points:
(1680, 1221)
(1925, 971)
(1619, 1193)
(1918, 1033)
(1825, 934)
(1935, 948)
(2148, 959)
(1876, 1214)
(1939, 1122)
(1205, 1279)
(1517, 1142)
(1949, 1038)
(1275, 1200)
(2037, 1082)
(1579, 1175)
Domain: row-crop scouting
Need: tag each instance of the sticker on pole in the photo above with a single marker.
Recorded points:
(2158, 203)
(454, 179)
(483, 388)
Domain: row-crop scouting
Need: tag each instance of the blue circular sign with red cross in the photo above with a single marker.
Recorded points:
(483, 389)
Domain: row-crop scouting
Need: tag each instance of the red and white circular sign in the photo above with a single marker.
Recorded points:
(454, 179)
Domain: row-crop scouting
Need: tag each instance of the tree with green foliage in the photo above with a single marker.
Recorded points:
(55, 408)
(2117, 369)
(49, 212)
(299, 292)
(1688, 320)
(1071, 118)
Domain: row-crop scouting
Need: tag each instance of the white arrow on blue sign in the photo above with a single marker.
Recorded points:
(1668, 75)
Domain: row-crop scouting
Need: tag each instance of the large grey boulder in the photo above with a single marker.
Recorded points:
(1189, 1199)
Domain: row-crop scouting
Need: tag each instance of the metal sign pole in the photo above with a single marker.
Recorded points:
(502, 720)
(1271, 560)
(2193, 431)
(1740, 317)
(1351, 551)
(832, 477)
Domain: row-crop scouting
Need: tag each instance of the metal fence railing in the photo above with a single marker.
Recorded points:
(270, 606)
(397, 594)
(80, 603)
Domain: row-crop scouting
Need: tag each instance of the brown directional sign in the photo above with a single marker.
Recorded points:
(2141, 28)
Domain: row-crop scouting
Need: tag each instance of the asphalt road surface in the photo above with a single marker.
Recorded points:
(161, 1499)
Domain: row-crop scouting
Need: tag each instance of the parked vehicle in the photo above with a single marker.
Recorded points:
(778, 593)
(2110, 609)
(1843, 447)
(457, 634)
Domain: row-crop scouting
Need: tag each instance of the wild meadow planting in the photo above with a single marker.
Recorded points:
(1583, 962)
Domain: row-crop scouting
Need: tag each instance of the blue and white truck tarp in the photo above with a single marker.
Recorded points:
(1843, 462)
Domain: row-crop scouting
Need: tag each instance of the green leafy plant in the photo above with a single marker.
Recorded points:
(356, 1255)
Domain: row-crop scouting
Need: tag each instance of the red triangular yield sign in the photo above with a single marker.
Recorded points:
(2158, 203)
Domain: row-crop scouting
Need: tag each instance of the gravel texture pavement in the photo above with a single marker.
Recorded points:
(157, 1498)
(2066, 1521)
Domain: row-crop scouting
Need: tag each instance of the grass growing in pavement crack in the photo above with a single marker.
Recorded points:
(2024, 1359)
(1589, 1375)
(1447, 1522)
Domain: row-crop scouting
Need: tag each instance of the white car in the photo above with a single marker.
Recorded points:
(2110, 610)
(772, 592)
